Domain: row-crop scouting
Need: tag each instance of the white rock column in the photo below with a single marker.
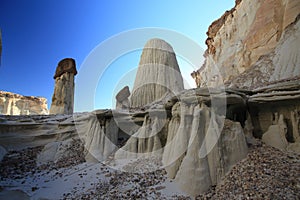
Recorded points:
(158, 73)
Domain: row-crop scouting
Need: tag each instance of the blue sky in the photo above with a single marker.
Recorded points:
(37, 34)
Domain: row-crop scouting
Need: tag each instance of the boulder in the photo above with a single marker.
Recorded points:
(276, 135)
(123, 94)
(122, 100)
(48, 153)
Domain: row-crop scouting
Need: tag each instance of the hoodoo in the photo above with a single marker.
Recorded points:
(63, 96)
(158, 73)
(241, 141)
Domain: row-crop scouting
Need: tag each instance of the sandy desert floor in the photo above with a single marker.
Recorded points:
(266, 173)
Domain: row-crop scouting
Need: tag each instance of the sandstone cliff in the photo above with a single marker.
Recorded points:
(255, 37)
(15, 104)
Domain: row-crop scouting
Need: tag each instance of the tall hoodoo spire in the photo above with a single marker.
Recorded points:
(158, 73)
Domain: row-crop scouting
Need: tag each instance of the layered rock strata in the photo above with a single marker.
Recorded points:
(63, 96)
(158, 73)
(259, 38)
(145, 142)
(187, 134)
(15, 104)
(280, 64)
(195, 139)
(99, 133)
(275, 110)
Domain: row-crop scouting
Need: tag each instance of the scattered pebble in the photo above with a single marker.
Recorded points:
(266, 173)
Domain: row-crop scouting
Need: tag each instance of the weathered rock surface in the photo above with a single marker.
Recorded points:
(58, 135)
(122, 100)
(252, 29)
(287, 54)
(158, 73)
(15, 104)
(178, 135)
(280, 64)
(275, 114)
(200, 146)
(63, 96)
(208, 170)
(49, 153)
(275, 136)
(190, 140)
(100, 137)
(197, 151)
(20, 132)
(199, 135)
(146, 141)
(65, 65)
(197, 144)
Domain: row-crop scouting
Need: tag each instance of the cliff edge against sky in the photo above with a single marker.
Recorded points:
(257, 40)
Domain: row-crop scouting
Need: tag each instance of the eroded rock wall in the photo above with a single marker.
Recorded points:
(275, 115)
(100, 136)
(146, 141)
(194, 137)
(253, 28)
(203, 148)
(286, 60)
(195, 142)
(15, 104)
(281, 64)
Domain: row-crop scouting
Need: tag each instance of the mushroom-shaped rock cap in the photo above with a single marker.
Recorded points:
(65, 65)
